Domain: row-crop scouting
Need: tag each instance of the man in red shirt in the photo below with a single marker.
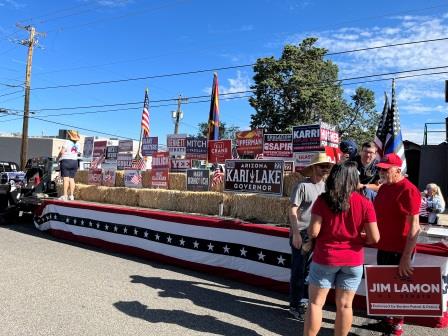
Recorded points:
(397, 208)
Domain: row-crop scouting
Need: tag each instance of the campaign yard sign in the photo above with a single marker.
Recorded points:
(388, 294)
(303, 159)
(196, 148)
(219, 151)
(198, 179)
(125, 146)
(159, 178)
(99, 148)
(254, 176)
(314, 137)
(108, 178)
(124, 161)
(176, 144)
(111, 152)
(132, 178)
(288, 167)
(94, 177)
(249, 142)
(277, 145)
(150, 145)
(160, 160)
(88, 147)
(180, 165)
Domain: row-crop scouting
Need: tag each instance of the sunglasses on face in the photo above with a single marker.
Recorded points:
(324, 166)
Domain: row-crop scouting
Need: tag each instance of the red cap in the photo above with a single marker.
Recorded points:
(390, 160)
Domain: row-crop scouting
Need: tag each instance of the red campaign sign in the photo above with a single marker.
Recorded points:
(219, 151)
(159, 178)
(249, 142)
(94, 177)
(314, 136)
(389, 295)
(180, 165)
(160, 160)
(99, 148)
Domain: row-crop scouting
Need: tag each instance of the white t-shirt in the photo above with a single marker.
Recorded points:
(71, 150)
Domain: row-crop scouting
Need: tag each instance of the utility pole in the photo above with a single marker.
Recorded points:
(26, 108)
(177, 115)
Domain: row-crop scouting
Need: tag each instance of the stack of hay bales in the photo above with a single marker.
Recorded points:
(252, 207)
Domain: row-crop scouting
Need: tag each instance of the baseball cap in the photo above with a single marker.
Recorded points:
(390, 160)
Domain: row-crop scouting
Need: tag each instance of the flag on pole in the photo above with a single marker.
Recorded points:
(97, 162)
(145, 115)
(213, 118)
(388, 135)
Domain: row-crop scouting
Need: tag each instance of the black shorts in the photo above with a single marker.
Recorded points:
(69, 168)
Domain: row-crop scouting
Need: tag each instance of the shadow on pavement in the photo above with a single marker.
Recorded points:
(203, 323)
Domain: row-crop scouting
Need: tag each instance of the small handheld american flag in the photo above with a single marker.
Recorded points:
(136, 179)
(218, 177)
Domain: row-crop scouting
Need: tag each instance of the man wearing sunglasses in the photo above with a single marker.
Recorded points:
(303, 197)
(397, 207)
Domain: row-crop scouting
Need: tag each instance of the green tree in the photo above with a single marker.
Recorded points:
(225, 132)
(302, 87)
(361, 119)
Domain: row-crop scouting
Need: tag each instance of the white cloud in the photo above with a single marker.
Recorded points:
(416, 135)
(11, 3)
(114, 3)
(240, 83)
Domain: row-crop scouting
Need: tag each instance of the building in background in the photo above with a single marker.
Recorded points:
(48, 146)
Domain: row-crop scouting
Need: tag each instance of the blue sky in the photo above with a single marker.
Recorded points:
(104, 40)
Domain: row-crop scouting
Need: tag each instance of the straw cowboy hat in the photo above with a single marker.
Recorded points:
(317, 159)
(73, 135)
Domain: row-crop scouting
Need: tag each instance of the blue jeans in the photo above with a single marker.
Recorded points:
(298, 289)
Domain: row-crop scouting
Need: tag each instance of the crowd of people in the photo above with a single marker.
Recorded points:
(334, 213)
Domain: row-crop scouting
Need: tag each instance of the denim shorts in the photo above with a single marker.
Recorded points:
(344, 277)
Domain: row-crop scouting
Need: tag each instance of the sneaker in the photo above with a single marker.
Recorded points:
(63, 198)
(296, 314)
(71, 198)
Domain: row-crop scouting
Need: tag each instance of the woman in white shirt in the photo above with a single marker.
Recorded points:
(68, 157)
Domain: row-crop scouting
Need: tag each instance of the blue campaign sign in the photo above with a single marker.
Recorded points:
(196, 148)
(150, 145)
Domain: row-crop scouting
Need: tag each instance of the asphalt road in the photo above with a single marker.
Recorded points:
(53, 287)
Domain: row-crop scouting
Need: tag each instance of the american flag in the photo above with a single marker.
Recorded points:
(97, 161)
(388, 135)
(145, 115)
(136, 179)
(218, 177)
(138, 163)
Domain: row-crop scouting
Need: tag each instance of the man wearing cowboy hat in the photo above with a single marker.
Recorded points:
(303, 197)
(68, 157)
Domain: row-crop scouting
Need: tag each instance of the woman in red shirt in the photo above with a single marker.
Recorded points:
(342, 221)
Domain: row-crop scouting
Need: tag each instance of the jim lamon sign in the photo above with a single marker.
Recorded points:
(389, 294)
(255, 176)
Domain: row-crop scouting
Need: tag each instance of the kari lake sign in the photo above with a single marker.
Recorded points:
(254, 176)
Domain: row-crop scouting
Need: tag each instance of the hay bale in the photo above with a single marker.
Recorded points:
(92, 193)
(157, 198)
(122, 196)
(119, 178)
(81, 176)
(255, 207)
(178, 181)
(199, 202)
(146, 178)
(289, 182)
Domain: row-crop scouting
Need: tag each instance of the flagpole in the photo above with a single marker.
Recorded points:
(141, 131)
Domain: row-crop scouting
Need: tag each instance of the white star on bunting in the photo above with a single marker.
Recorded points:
(182, 242)
(196, 244)
(106, 227)
(210, 246)
(169, 239)
(135, 232)
(115, 228)
(243, 252)
(226, 249)
(146, 234)
(125, 230)
(281, 260)
(157, 236)
(261, 256)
